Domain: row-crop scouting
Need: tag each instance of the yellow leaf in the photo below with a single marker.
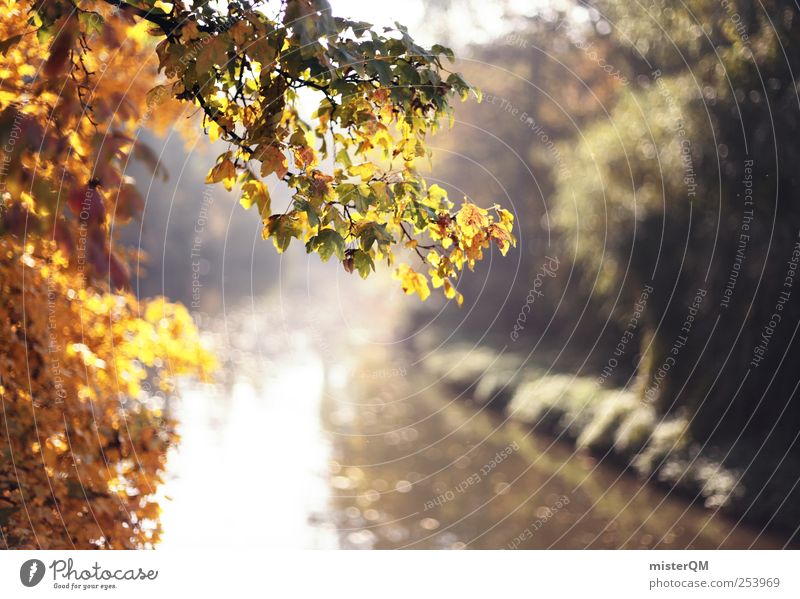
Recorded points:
(214, 131)
(28, 202)
(501, 235)
(505, 216)
(413, 282)
(255, 192)
(471, 218)
(436, 195)
(224, 171)
(449, 290)
(365, 170)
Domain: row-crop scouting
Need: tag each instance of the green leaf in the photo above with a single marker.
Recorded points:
(373, 232)
(335, 218)
(439, 49)
(363, 263)
(362, 200)
(343, 158)
(461, 87)
(345, 192)
(90, 22)
(407, 74)
(45, 33)
(380, 191)
(305, 206)
(281, 228)
(382, 69)
(327, 243)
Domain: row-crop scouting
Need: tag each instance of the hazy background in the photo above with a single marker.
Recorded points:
(620, 140)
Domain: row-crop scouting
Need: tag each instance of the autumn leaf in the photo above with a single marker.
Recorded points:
(436, 196)
(371, 232)
(282, 228)
(224, 171)
(471, 219)
(272, 161)
(413, 282)
(363, 263)
(85, 82)
(9, 43)
(256, 193)
(501, 236)
(365, 170)
(327, 243)
(212, 53)
(157, 96)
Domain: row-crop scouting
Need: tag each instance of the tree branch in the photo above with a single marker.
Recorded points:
(212, 114)
(167, 25)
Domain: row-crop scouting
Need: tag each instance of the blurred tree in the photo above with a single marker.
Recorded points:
(540, 90)
(688, 185)
(656, 144)
(78, 79)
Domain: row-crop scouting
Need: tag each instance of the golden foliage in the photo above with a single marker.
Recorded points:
(84, 433)
(84, 371)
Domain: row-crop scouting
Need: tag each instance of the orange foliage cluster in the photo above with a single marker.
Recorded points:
(83, 440)
(83, 371)
(69, 121)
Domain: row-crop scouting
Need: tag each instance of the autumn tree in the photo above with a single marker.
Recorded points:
(689, 188)
(84, 433)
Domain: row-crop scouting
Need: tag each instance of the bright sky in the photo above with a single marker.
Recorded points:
(380, 12)
(467, 21)
(461, 28)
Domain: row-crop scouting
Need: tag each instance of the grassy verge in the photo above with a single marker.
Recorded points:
(744, 479)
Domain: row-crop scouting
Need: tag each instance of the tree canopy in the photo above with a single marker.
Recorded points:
(329, 107)
(250, 70)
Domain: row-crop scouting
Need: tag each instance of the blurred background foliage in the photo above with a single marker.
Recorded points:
(652, 114)
(650, 147)
(620, 135)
